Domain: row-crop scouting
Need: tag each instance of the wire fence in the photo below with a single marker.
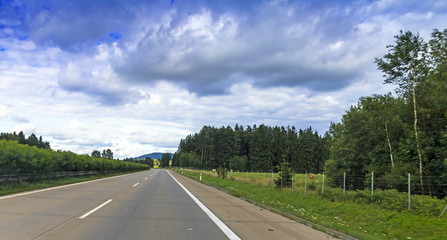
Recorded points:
(433, 185)
(13, 177)
(402, 192)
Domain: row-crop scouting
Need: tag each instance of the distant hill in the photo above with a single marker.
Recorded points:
(155, 155)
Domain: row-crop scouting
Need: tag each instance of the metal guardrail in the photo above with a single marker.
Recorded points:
(27, 176)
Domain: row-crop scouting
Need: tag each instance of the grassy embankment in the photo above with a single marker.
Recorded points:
(381, 219)
(23, 186)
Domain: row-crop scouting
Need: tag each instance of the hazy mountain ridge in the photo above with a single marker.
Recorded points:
(154, 155)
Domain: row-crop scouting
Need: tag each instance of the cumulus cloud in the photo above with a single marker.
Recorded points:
(3, 111)
(136, 76)
(94, 77)
(208, 46)
(276, 46)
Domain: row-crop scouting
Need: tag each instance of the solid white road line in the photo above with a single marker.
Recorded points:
(136, 184)
(58, 187)
(227, 231)
(95, 209)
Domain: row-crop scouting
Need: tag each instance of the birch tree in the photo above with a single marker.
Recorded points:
(406, 65)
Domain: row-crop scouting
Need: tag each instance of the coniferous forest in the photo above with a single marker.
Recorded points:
(391, 134)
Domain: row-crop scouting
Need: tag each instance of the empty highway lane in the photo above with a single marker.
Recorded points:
(155, 204)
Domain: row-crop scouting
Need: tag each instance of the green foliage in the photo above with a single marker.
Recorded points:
(165, 158)
(108, 154)
(96, 154)
(188, 159)
(32, 140)
(258, 148)
(352, 213)
(147, 161)
(395, 135)
(16, 158)
(284, 179)
(222, 172)
(238, 163)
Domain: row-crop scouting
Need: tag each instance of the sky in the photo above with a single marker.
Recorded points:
(136, 76)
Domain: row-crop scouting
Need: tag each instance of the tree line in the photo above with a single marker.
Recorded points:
(164, 161)
(390, 134)
(106, 153)
(31, 140)
(258, 148)
(406, 133)
(18, 158)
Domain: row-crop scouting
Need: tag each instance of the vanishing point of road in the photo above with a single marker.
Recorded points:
(155, 204)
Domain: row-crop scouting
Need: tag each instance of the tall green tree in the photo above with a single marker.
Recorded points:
(96, 153)
(406, 65)
(107, 153)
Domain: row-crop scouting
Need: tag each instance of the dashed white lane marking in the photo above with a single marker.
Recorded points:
(95, 209)
(59, 187)
(145, 178)
(136, 184)
(227, 231)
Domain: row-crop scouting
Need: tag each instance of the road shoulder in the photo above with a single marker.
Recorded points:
(247, 220)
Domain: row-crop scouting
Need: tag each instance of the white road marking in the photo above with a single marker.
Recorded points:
(95, 209)
(225, 229)
(58, 187)
(145, 178)
(136, 184)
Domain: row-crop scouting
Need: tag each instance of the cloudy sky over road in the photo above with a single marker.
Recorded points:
(137, 76)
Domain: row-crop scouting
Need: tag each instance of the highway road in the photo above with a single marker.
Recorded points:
(155, 204)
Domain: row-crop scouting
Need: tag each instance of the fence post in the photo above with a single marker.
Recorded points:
(443, 211)
(372, 183)
(271, 182)
(344, 182)
(409, 191)
(322, 189)
(305, 183)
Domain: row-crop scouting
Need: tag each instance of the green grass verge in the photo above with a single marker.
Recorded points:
(363, 221)
(23, 186)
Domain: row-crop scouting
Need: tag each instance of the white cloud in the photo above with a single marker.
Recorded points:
(176, 68)
(3, 111)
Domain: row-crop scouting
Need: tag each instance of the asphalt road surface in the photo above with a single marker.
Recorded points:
(155, 204)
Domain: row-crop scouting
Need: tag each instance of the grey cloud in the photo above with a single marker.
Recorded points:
(103, 94)
(20, 119)
(77, 25)
(208, 59)
(208, 46)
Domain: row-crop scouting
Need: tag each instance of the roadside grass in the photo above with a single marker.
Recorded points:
(386, 199)
(360, 220)
(23, 186)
